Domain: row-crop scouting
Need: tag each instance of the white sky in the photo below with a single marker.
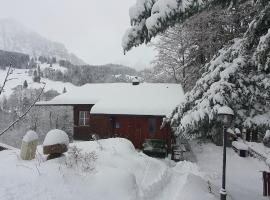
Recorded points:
(92, 29)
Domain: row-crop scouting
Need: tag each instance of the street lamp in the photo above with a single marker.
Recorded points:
(225, 115)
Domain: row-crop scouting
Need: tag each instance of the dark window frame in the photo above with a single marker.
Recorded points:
(84, 117)
(152, 125)
(117, 125)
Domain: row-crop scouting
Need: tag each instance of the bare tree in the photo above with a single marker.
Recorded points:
(9, 72)
(24, 114)
(184, 49)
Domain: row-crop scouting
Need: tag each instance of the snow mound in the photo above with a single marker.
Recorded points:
(195, 183)
(56, 136)
(120, 173)
(30, 136)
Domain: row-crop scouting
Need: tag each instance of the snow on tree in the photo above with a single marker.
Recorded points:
(238, 77)
(150, 17)
(184, 49)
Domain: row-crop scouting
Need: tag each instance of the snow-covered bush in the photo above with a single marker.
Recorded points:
(84, 162)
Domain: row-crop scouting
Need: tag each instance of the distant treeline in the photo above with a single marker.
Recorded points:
(76, 74)
(80, 75)
(18, 60)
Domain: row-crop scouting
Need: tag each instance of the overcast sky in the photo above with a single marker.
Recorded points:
(92, 29)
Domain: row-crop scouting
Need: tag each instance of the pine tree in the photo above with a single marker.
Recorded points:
(25, 84)
(238, 76)
(36, 75)
(38, 71)
(64, 90)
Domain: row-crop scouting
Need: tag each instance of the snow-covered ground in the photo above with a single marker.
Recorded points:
(55, 67)
(260, 148)
(20, 75)
(244, 177)
(121, 173)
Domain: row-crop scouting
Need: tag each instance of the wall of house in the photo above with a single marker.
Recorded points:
(134, 128)
(81, 132)
(101, 125)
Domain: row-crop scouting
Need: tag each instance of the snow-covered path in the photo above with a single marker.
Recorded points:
(180, 181)
(185, 178)
(243, 176)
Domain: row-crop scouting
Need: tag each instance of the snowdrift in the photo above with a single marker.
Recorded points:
(120, 173)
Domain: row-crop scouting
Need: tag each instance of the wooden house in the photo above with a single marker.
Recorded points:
(133, 111)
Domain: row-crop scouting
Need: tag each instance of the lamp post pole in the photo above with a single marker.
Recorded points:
(223, 193)
(225, 114)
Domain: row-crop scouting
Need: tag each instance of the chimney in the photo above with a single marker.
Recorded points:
(135, 81)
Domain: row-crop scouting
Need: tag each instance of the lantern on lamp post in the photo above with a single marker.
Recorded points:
(225, 116)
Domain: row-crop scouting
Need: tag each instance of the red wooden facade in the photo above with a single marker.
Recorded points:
(133, 127)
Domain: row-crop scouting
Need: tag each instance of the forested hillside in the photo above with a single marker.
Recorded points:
(18, 60)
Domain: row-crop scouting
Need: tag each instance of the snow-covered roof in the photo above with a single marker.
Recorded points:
(124, 98)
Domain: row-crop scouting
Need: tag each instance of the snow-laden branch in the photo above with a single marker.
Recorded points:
(150, 17)
(25, 113)
(232, 78)
(9, 71)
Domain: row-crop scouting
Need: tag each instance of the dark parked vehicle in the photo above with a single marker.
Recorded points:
(155, 148)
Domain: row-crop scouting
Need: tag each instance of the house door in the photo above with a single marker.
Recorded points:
(134, 133)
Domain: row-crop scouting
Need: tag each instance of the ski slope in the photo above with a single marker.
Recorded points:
(20, 75)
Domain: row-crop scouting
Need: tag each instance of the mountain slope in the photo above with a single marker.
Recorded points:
(18, 60)
(15, 37)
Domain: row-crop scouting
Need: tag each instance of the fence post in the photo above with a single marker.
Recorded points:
(268, 183)
(264, 183)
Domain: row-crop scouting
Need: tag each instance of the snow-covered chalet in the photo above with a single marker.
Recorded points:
(131, 110)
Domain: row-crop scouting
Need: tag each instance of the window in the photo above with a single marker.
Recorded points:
(84, 118)
(152, 125)
(117, 125)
